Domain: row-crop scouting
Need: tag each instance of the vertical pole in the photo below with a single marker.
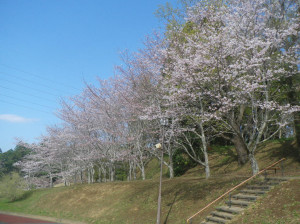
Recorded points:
(160, 179)
(282, 168)
(266, 175)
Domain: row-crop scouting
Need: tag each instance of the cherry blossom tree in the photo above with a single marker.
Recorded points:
(224, 69)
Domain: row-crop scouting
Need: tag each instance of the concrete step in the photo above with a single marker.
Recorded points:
(255, 192)
(224, 215)
(245, 197)
(238, 203)
(216, 219)
(232, 209)
(280, 179)
(272, 183)
(261, 187)
(208, 222)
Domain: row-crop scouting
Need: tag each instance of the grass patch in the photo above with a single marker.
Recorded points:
(136, 201)
(280, 205)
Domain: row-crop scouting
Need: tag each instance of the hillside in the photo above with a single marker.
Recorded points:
(136, 201)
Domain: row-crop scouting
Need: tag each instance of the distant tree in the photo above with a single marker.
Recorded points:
(7, 159)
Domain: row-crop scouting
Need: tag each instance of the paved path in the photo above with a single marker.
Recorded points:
(10, 219)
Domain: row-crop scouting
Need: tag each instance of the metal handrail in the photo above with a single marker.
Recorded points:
(232, 189)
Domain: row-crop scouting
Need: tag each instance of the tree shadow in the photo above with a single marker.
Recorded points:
(22, 197)
(171, 205)
(287, 149)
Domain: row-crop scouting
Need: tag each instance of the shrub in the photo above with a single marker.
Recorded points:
(12, 187)
(182, 163)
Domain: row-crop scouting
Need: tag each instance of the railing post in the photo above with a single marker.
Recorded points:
(266, 175)
(229, 200)
(282, 168)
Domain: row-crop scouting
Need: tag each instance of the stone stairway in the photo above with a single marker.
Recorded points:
(238, 202)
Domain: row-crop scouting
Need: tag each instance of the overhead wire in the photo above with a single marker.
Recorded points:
(38, 76)
(28, 94)
(20, 105)
(15, 98)
(38, 90)
(31, 81)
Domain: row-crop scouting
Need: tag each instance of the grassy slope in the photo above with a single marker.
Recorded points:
(136, 202)
(280, 206)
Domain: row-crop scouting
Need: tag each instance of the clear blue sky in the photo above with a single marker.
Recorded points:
(47, 49)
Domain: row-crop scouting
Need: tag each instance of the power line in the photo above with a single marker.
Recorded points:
(28, 94)
(40, 77)
(30, 81)
(39, 90)
(15, 98)
(30, 108)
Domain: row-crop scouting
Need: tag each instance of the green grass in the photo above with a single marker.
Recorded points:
(280, 205)
(128, 202)
(136, 201)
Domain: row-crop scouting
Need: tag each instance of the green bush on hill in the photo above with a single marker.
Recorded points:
(182, 163)
(12, 187)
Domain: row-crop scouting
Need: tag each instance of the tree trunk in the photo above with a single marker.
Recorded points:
(171, 171)
(204, 146)
(254, 164)
(143, 172)
(75, 177)
(207, 170)
(111, 173)
(81, 177)
(280, 133)
(92, 174)
(297, 129)
(134, 171)
(129, 178)
(99, 174)
(89, 175)
(50, 180)
(293, 97)
(104, 175)
(241, 149)
(171, 166)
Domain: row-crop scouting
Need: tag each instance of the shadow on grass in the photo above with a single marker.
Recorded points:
(287, 149)
(22, 197)
(171, 206)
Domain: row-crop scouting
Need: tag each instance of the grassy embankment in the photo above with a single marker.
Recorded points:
(136, 201)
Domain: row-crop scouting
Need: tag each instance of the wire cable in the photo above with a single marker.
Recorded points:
(40, 77)
(30, 81)
(38, 90)
(30, 108)
(28, 94)
(15, 98)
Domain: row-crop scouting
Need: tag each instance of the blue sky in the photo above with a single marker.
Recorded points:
(48, 48)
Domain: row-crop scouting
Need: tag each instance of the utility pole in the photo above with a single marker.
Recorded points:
(163, 122)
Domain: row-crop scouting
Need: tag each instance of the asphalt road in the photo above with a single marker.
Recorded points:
(9, 219)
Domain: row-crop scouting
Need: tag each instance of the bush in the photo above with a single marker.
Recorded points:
(182, 163)
(12, 187)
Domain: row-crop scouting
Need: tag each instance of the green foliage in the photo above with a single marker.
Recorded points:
(12, 187)
(223, 149)
(182, 163)
(121, 173)
(7, 159)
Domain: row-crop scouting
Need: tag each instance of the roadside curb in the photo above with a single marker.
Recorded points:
(46, 218)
